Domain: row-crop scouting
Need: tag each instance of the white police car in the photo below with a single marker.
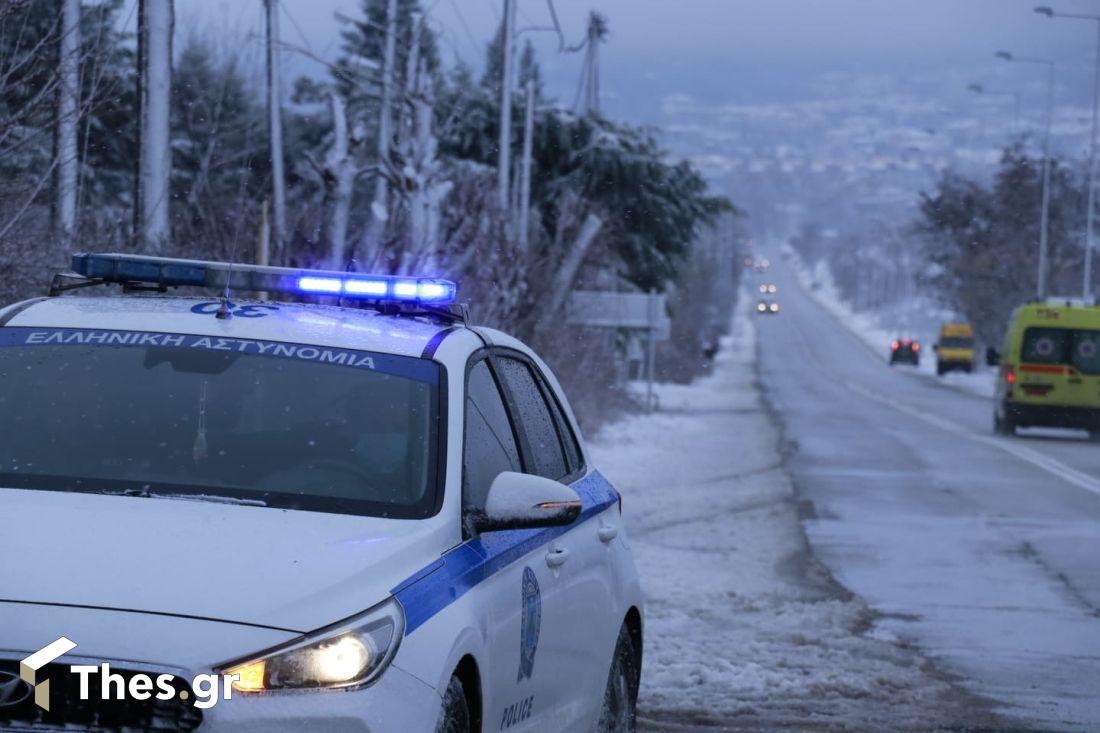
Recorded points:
(372, 518)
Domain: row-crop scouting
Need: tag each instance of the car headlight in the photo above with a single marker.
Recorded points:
(350, 653)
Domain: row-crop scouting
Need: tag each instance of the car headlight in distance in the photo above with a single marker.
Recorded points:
(763, 288)
(351, 653)
(761, 307)
(775, 307)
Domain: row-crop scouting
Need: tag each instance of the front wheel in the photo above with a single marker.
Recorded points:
(1002, 425)
(620, 699)
(455, 717)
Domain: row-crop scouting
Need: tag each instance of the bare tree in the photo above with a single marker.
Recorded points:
(275, 132)
(338, 172)
(155, 23)
(379, 208)
(424, 183)
(505, 151)
(68, 114)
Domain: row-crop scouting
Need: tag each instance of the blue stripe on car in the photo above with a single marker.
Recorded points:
(436, 586)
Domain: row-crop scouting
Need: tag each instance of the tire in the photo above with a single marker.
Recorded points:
(620, 699)
(455, 715)
(1003, 425)
(940, 370)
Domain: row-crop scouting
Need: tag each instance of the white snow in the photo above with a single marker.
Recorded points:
(914, 319)
(744, 629)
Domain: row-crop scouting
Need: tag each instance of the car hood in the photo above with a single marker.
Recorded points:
(283, 569)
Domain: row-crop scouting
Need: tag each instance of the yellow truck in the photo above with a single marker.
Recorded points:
(955, 348)
(1049, 368)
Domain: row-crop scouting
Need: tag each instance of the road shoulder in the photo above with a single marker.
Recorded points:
(746, 630)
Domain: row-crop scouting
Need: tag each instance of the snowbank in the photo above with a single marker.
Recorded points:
(877, 330)
(744, 630)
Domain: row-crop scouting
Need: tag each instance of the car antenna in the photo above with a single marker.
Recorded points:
(225, 312)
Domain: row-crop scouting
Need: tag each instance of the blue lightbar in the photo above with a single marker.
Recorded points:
(169, 272)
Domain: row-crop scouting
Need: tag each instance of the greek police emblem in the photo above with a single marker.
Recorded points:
(530, 622)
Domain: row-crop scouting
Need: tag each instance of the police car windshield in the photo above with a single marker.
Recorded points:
(289, 425)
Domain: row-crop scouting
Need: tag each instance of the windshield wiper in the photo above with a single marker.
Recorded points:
(145, 493)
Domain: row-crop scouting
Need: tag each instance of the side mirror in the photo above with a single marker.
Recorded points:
(992, 357)
(936, 348)
(523, 501)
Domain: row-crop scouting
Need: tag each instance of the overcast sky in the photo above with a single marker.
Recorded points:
(731, 50)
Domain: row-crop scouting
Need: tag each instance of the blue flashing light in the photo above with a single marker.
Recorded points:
(329, 285)
(375, 288)
(167, 272)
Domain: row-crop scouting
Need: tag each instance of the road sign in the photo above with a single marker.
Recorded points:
(637, 311)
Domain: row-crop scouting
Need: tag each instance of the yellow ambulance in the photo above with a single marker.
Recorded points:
(1050, 368)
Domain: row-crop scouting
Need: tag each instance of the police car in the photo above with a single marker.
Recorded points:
(364, 516)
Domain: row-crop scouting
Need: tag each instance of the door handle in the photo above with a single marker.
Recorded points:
(607, 532)
(557, 557)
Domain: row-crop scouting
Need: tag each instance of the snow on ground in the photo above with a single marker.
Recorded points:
(744, 629)
(877, 330)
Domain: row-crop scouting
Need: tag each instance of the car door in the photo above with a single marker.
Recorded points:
(577, 558)
(519, 591)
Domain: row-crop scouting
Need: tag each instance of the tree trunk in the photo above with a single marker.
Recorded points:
(505, 144)
(339, 173)
(525, 170)
(68, 115)
(379, 208)
(155, 164)
(562, 284)
(277, 230)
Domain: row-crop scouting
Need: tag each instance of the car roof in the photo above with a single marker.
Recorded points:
(320, 325)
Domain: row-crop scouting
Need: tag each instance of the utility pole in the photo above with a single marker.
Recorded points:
(68, 113)
(1044, 217)
(592, 104)
(525, 168)
(1090, 217)
(155, 154)
(380, 202)
(504, 158)
(587, 99)
(277, 230)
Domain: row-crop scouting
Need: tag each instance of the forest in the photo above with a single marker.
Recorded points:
(122, 133)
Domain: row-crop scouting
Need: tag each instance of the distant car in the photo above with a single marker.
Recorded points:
(767, 289)
(905, 351)
(766, 308)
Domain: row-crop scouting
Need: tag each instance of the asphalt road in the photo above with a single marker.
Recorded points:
(983, 551)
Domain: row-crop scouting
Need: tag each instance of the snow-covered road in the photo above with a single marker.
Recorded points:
(745, 630)
(983, 551)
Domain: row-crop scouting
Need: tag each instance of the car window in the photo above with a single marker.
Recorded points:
(1045, 345)
(544, 455)
(490, 442)
(565, 432)
(1086, 351)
